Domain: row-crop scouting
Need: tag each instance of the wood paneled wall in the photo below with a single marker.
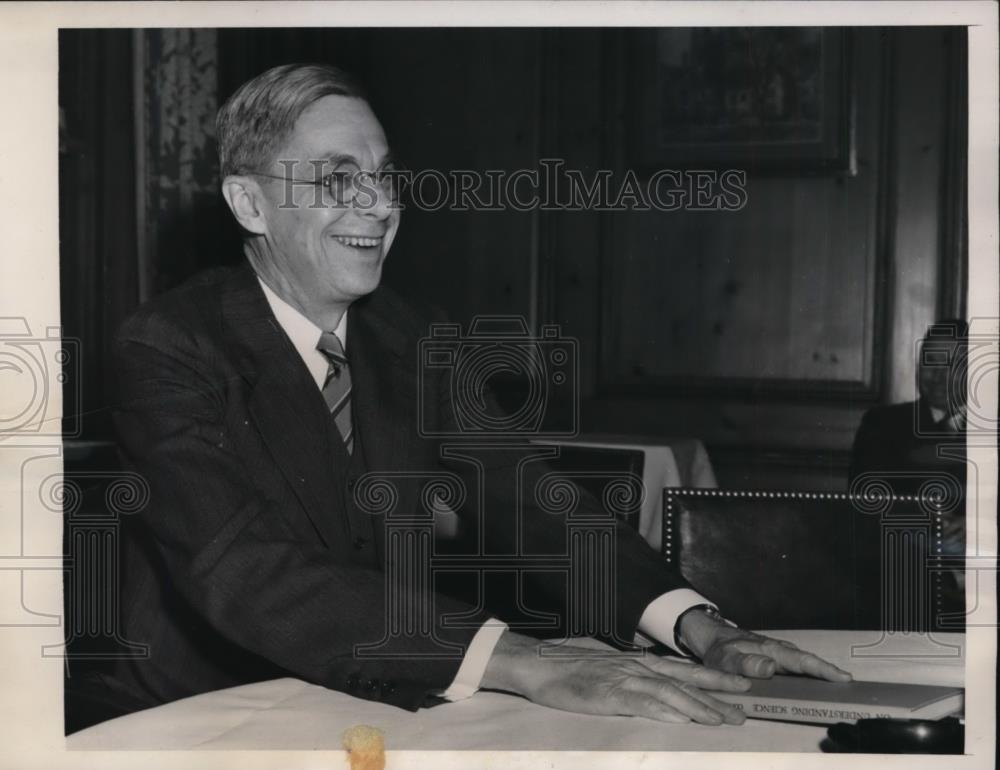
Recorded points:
(820, 286)
(97, 212)
(458, 99)
(689, 296)
(449, 99)
(768, 332)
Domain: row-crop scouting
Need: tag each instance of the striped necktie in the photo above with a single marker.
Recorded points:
(337, 389)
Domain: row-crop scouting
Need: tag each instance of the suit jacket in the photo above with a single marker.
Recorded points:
(244, 565)
(901, 442)
(899, 445)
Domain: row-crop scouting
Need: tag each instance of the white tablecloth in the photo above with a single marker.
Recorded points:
(290, 714)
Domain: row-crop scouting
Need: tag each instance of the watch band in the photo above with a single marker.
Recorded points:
(709, 609)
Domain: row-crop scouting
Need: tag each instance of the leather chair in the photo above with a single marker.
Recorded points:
(813, 560)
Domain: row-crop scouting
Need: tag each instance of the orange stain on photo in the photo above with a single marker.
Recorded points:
(365, 747)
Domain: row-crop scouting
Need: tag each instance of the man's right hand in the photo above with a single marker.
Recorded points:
(587, 681)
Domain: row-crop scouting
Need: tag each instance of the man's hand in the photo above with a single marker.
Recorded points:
(722, 647)
(587, 681)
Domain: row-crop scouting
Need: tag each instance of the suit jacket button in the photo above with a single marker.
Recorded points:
(360, 542)
(351, 484)
(353, 681)
(388, 688)
(371, 685)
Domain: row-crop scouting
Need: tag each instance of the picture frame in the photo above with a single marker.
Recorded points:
(766, 100)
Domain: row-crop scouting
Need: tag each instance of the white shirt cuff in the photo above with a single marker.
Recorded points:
(661, 615)
(470, 673)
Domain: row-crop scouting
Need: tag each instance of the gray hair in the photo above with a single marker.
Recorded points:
(257, 119)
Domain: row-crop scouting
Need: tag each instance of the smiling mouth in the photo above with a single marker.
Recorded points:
(358, 242)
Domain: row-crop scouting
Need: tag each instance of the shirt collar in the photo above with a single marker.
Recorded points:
(303, 333)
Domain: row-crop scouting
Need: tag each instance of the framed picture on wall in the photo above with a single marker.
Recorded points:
(801, 263)
(762, 99)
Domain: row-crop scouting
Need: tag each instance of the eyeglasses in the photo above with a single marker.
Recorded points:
(348, 180)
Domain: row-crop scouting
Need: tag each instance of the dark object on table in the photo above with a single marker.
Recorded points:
(896, 736)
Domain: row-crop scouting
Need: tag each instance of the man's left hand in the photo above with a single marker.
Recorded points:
(738, 651)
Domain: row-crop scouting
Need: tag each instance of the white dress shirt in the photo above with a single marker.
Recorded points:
(956, 420)
(657, 621)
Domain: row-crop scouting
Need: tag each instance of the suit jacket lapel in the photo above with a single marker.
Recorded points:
(285, 404)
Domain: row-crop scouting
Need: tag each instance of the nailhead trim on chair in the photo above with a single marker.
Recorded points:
(670, 493)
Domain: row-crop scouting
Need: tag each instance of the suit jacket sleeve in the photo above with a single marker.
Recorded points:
(636, 574)
(232, 554)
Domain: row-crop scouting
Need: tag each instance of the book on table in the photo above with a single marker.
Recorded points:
(802, 699)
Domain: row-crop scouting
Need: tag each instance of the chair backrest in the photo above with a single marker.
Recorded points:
(808, 560)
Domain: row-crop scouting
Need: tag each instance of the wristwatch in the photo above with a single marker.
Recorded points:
(709, 609)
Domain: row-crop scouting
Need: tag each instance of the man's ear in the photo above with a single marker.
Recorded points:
(244, 198)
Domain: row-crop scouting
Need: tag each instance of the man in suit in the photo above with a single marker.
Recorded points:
(255, 400)
(907, 444)
(916, 446)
